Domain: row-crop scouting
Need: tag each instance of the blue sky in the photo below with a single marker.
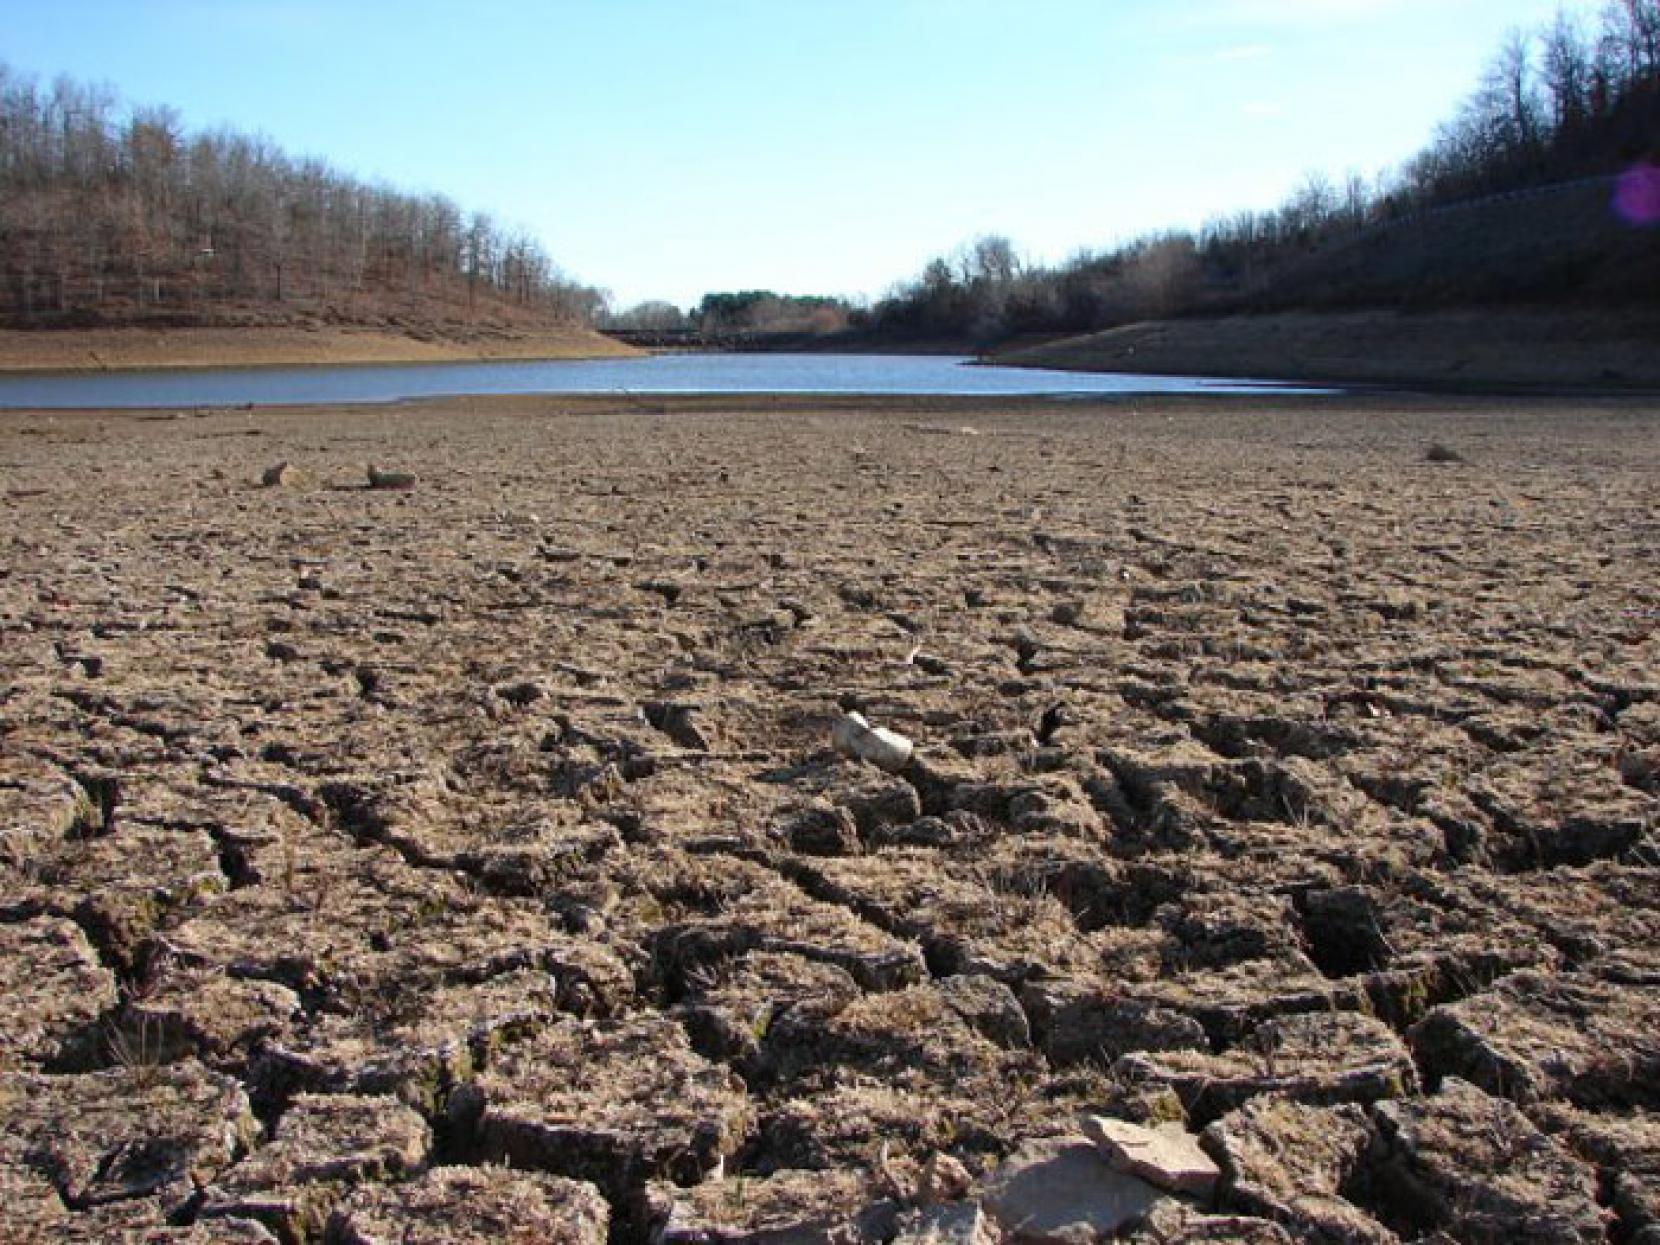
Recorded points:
(663, 149)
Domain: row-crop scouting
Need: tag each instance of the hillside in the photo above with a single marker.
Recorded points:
(118, 217)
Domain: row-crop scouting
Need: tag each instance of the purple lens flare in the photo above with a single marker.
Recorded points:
(1637, 195)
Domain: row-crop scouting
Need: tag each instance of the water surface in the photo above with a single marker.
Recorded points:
(675, 373)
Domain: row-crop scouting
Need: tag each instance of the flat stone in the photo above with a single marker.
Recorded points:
(473, 1206)
(1062, 1192)
(1167, 1156)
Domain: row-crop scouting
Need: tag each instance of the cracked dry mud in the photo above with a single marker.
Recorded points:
(470, 862)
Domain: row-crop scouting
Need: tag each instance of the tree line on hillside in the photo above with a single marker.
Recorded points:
(738, 312)
(1554, 105)
(116, 214)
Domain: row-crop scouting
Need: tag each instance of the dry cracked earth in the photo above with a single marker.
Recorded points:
(470, 861)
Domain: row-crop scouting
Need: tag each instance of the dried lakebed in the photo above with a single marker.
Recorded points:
(469, 861)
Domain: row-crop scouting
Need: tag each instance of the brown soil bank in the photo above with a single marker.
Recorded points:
(99, 350)
(1466, 349)
(465, 858)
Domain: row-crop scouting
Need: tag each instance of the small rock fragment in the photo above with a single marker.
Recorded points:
(1168, 1156)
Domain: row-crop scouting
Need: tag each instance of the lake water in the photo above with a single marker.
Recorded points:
(673, 373)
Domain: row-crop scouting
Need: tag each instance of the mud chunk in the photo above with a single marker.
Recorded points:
(216, 1018)
(1061, 1190)
(615, 1103)
(913, 1035)
(822, 830)
(1176, 1223)
(731, 1018)
(951, 1223)
(1626, 1150)
(415, 1045)
(38, 805)
(1475, 1167)
(805, 1206)
(775, 916)
(1074, 1022)
(322, 1148)
(1535, 1036)
(989, 1006)
(1168, 1156)
(127, 1133)
(55, 991)
(473, 1206)
(1292, 1163)
(1319, 1058)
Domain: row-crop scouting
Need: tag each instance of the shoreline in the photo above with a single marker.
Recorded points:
(91, 352)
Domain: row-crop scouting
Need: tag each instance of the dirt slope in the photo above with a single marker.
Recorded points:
(148, 348)
(1474, 349)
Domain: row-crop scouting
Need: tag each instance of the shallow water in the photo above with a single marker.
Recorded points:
(678, 373)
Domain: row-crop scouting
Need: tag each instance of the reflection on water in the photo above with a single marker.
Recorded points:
(681, 373)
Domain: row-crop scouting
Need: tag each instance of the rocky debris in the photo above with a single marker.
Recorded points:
(1536, 1036)
(1176, 1223)
(1318, 1059)
(473, 1206)
(618, 1103)
(838, 1206)
(126, 1133)
(323, 1147)
(1167, 1157)
(379, 479)
(1061, 1190)
(1294, 1164)
(56, 992)
(1474, 1167)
